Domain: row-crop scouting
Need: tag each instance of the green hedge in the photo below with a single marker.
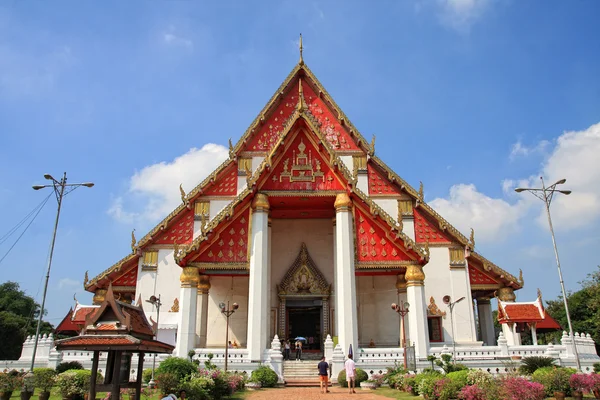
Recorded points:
(361, 376)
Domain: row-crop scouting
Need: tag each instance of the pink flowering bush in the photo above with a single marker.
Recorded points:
(581, 382)
(518, 388)
(472, 392)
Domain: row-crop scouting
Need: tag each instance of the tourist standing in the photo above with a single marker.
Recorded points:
(286, 350)
(323, 366)
(298, 350)
(350, 367)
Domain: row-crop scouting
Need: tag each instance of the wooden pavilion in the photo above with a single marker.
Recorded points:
(120, 330)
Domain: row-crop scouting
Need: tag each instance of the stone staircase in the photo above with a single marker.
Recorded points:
(301, 373)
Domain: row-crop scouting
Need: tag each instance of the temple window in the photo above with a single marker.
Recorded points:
(359, 163)
(150, 261)
(457, 256)
(202, 210)
(405, 207)
(434, 325)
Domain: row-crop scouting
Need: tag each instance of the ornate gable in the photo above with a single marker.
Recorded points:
(476, 277)
(302, 167)
(379, 184)
(376, 247)
(226, 185)
(304, 278)
(229, 247)
(180, 231)
(128, 278)
(426, 231)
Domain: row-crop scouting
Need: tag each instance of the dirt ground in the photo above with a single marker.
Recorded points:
(312, 394)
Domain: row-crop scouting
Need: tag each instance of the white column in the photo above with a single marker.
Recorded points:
(202, 317)
(464, 318)
(507, 294)
(186, 333)
(417, 316)
(345, 280)
(486, 321)
(534, 334)
(269, 289)
(258, 291)
(334, 331)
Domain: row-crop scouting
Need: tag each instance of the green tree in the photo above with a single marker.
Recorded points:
(584, 307)
(18, 312)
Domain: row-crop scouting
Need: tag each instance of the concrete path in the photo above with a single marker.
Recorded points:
(312, 394)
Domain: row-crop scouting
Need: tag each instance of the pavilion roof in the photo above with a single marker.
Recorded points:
(522, 312)
(113, 342)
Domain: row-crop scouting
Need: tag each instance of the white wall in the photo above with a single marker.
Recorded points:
(164, 281)
(223, 289)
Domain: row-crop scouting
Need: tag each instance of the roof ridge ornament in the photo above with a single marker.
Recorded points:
(133, 241)
(231, 152)
(521, 280)
(301, 104)
(301, 62)
(472, 239)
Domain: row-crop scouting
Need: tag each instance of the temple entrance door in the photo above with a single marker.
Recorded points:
(305, 321)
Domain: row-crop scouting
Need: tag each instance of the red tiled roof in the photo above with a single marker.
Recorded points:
(520, 313)
(100, 341)
(81, 313)
(113, 342)
(139, 323)
(548, 324)
(67, 325)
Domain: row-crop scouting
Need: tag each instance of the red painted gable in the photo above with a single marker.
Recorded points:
(272, 128)
(426, 231)
(302, 168)
(477, 277)
(180, 231)
(380, 185)
(226, 185)
(129, 278)
(231, 245)
(372, 242)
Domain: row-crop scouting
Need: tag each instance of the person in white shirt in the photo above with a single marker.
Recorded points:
(350, 367)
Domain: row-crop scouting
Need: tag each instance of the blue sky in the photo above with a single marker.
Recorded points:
(471, 97)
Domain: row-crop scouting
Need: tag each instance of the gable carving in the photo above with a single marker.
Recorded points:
(304, 278)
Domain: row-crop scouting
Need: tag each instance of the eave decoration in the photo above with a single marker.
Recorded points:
(303, 278)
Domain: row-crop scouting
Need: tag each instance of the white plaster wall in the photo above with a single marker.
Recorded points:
(287, 237)
(222, 289)
(439, 281)
(408, 227)
(349, 163)
(363, 182)
(390, 206)
(164, 282)
(376, 319)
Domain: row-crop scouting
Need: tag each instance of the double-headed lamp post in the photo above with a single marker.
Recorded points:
(447, 300)
(225, 310)
(61, 189)
(402, 310)
(545, 193)
(155, 301)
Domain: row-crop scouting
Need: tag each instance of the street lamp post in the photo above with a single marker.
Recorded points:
(447, 300)
(402, 310)
(227, 312)
(61, 189)
(155, 301)
(545, 194)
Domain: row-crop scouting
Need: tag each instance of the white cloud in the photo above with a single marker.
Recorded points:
(172, 39)
(519, 149)
(154, 191)
(461, 14)
(68, 283)
(467, 208)
(575, 157)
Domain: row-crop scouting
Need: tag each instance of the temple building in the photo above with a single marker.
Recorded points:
(312, 235)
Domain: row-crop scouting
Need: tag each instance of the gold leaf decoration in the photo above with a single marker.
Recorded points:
(231, 243)
(220, 255)
(221, 242)
(384, 253)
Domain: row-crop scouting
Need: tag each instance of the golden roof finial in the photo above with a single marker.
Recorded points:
(85, 279)
(133, 241)
(521, 281)
(301, 62)
(421, 194)
(182, 192)
(472, 239)
(231, 152)
(301, 105)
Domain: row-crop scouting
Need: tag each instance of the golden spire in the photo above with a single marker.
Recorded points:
(231, 152)
(301, 62)
(301, 105)
(85, 279)
(182, 193)
(421, 195)
(472, 239)
(133, 241)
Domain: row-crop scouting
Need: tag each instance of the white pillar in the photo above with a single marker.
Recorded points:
(269, 289)
(417, 316)
(258, 291)
(534, 334)
(486, 321)
(186, 334)
(507, 294)
(202, 317)
(345, 280)
(464, 318)
(334, 331)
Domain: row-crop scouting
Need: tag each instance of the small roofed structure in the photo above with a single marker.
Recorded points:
(120, 329)
(518, 317)
(74, 322)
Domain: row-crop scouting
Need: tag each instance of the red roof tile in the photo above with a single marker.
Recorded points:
(548, 324)
(139, 323)
(100, 340)
(81, 313)
(521, 313)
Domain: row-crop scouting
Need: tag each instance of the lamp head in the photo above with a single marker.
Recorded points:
(406, 305)
(38, 187)
(222, 306)
(566, 192)
(49, 177)
(236, 306)
(446, 299)
(88, 184)
(561, 181)
(459, 300)
(519, 190)
(152, 300)
(394, 306)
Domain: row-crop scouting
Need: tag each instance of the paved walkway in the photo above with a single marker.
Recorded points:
(312, 393)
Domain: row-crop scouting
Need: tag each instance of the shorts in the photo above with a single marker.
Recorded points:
(350, 378)
(323, 378)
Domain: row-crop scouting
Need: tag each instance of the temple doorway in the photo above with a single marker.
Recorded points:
(306, 322)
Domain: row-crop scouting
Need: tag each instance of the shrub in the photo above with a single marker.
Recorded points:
(44, 378)
(74, 383)
(409, 384)
(582, 382)
(180, 367)
(167, 382)
(265, 376)
(446, 389)
(361, 376)
(519, 388)
(147, 375)
(478, 377)
(472, 392)
(68, 366)
(533, 363)
(9, 382)
(198, 387)
(461, 377)
(220, 385)
(597, 367)
(446, 364)
(427, 384)
(235, 381)
(554, 379)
